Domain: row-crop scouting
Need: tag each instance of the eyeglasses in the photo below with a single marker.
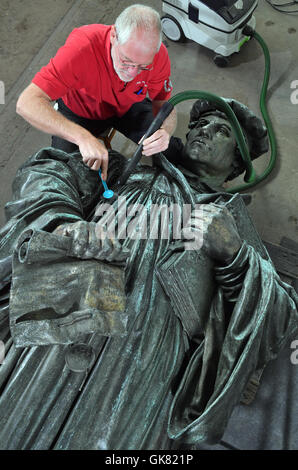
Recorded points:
(128, 65)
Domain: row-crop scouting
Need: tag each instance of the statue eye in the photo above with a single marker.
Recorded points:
(192, 124)
(224, 131)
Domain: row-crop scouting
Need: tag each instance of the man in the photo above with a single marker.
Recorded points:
(101, 77)
(199, 322)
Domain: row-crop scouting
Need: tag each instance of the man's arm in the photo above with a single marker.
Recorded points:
(35, 106)
(159, 141)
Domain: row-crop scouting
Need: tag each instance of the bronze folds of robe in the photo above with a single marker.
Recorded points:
(175, 377)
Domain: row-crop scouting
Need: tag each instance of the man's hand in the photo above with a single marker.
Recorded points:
(94, 154)
(157, 142)
(36, 107)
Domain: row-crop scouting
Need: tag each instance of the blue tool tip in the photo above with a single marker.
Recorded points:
(108, 194)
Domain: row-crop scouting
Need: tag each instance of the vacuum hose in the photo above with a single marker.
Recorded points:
(163, 113)
(250, 177)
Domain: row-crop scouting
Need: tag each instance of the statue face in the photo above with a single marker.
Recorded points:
(210, 147)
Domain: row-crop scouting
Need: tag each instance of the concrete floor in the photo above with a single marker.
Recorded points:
(32, 31)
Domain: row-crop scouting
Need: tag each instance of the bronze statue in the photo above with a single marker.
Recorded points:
(135, 342)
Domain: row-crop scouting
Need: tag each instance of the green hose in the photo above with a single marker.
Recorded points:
(250, 176)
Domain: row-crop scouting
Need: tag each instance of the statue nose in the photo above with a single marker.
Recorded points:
(205, 132)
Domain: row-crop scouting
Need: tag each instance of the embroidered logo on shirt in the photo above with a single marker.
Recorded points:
(141, 88)
(168, 85)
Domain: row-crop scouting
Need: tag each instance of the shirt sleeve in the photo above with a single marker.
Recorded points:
(66, 70)
(160, 86)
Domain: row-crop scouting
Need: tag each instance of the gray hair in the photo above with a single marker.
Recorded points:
(137, 17)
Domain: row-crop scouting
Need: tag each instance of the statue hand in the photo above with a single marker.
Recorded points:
(220, 235)
(213, 227)
(90, 241)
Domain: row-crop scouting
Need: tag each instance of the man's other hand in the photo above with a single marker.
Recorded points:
(157, 142)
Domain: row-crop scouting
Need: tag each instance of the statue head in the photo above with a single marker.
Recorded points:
(211, 149)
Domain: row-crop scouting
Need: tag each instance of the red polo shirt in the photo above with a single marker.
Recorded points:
(82, 74)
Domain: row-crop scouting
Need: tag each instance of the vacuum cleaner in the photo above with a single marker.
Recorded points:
(215, 24)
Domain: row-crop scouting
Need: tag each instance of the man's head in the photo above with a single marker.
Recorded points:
(135, 39)
(211, 149)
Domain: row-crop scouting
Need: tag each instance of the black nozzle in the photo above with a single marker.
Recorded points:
(163, 113)
(248, 31)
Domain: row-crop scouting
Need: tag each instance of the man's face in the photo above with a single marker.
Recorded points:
(210, 145)
(134, 56)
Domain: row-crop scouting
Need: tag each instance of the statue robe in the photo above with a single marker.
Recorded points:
(175, 375)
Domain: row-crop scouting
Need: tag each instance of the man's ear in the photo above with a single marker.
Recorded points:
(113, 35)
